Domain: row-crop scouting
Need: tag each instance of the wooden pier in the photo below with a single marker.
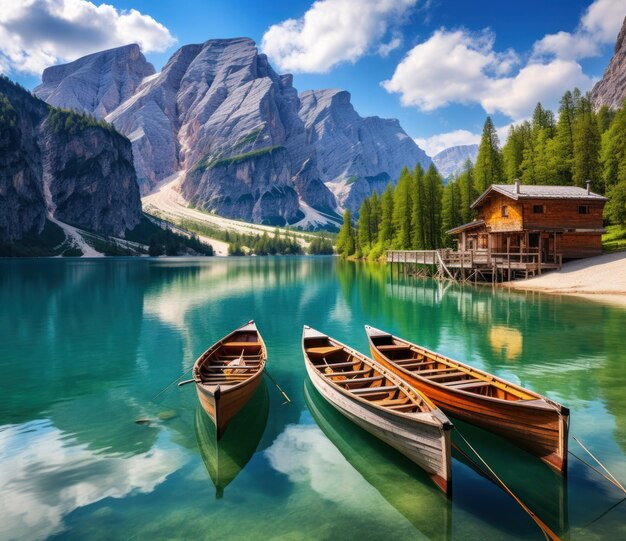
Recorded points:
(474, 265)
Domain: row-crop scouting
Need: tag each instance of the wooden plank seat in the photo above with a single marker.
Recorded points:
(466, 385)
(219, 369)
(372, 390)
(359, 380)
(434, 371)
(394, 347)
(401, 407)
(348, 372)
(325, 350)
(338, 365)
(241, 344)
(391, 402)
(402, 362)
(454, 374)
(412, 366)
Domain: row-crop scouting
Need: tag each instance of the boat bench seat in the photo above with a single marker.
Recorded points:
(359, 380)
(393, 347)
(434, 371)
(465, 385)
(408, 405)
(376, 390)
(452, 374)
(393, 402)
(411, 366)
(325, 350)
(338, 365)
(348, 372)
(241, 344)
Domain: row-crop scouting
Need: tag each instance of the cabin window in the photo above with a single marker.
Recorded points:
(538, 209)
(583, 209)
(505, 211)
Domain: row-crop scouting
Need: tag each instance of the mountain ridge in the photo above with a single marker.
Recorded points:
(245, 138)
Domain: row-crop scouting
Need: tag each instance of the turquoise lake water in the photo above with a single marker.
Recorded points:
(85, 345)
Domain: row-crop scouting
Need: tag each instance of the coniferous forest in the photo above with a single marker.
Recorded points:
(576, 145)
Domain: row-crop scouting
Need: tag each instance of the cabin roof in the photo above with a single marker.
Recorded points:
(460, 228)
(528, 191)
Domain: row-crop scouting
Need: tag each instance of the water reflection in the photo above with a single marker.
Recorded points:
(224, 459)
(397, 479)
(86, 345)
(46, 476)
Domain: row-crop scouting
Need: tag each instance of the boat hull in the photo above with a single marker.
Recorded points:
(535, 425)
(222, 405)
(426, 445)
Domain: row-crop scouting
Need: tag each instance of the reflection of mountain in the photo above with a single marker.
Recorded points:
(224, 459)
(399, 481)
(64, 335)
(58, 478)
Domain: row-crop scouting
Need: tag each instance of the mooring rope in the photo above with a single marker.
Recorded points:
(545, 529)
(612, 477)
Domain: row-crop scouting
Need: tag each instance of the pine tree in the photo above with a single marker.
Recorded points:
(345, 239)
(488, 168)
(402, 206)
(375, 215)
(613, 151)
(433, 188)
(451, 215)
(386, 232)
(604, 116)
(365, 227)
(586, 163)
(418, 240)
(467, 192)
(513, 154)
(564, 140)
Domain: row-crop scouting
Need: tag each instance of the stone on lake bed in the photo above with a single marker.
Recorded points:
(167, 415)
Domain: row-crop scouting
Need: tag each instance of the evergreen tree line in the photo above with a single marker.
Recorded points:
(579, 145)
(408, 216)
(287, 244)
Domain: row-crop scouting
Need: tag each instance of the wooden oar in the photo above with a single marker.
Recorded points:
(172, 383)
(277, 386)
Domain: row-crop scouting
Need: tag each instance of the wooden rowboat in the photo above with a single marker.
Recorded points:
(228, 373)
(533, 422)
(381, 403)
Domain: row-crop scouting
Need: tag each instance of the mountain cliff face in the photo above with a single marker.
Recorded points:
(247, 144)
(611, 89)
(355, 155)
(97, 83)
(451, 161)
(64, 165)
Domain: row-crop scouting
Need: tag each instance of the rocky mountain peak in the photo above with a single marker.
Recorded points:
(247, 145)
(611, 89)
(97, 83)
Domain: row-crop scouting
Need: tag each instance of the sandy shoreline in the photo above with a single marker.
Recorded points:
(601, 279)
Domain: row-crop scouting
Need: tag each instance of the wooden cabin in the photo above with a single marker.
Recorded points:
(555, 222)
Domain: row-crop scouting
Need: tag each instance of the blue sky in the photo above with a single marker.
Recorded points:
(440, 66)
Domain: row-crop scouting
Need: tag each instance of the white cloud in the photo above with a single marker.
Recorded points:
(458, 67)
(603, 19)
(334, 31)
(517, 96)
(598, 26)
(436, 143)
(35, 34)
